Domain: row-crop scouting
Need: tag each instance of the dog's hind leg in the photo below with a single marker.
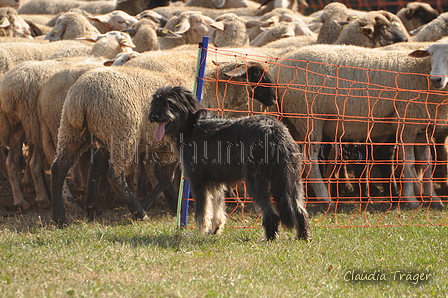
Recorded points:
(260, 194)
(219, 210)
(203, 207)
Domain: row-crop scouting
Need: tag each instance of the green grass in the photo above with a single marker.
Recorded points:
(118, 257)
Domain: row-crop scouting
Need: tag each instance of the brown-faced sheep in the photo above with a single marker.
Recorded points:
(416, 14)
(356, 93)
(374, 29)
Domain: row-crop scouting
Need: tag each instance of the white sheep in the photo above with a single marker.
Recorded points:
(19, 104)
(333, 17)
(416, 14)
(111, 105)
(192, 25)
(432, 31)
(356, 93)
(282, 30)
(71, 25)
(106, 45)
(221, 4)
(55, 6)
(13, 53)
(11, 24)
(277, 15)
(116, 20)
(374, 29)
(146, 35)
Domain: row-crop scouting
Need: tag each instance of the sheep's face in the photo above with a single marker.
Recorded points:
(438, 53)
(389, 32)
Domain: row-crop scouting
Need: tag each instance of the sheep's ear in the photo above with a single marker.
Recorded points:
(289, 32)
(272, 20)
(108, 62)
(100, 19)
(126, 42)
(367, 30)
(341, 24)
(182, 27)
(415, 31)
(218, 26)
(421, 53)
(130, 31)
(218, 3)
(35, 30)
(91, 38)
(56, 33)
(409, 13)
(4, 23)
(254, 23)
(161, 32)
(238, 71)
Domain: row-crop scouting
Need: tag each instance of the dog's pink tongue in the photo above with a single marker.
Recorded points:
(160, 131)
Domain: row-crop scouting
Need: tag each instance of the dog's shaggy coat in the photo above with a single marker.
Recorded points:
(215, 151)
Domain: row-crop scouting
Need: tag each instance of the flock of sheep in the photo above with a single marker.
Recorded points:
(77, 78)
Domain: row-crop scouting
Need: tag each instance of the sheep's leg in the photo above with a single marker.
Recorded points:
(313, 172)
(37, 174)
(98, 163)
(165, 184)
(427, 185)
(12, 165)
(121, 186)
(408, 177)
(59, 170)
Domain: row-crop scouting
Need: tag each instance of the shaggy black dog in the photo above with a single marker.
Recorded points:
(215, 151)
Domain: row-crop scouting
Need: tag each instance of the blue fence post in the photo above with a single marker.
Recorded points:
(184, 192)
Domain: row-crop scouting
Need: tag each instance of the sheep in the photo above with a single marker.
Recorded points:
(374, 29)
(111, 105)
(20, 106)
(145, 35)
(192, 25)
(55, 7)
(334, 16)
(218, 4)
(107, 45)
(277, 15)
(10, 3)
(346, 84)
(116, 20)
(282, 30)
(13, 53)
(71, 25)
(291, 42)
(230, 31)
(11, 24)
(432, 31)
(416, 14)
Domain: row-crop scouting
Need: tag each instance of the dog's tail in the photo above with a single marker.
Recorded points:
(287, 189)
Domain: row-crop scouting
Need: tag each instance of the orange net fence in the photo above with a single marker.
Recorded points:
(368, 5)
(365, 178)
